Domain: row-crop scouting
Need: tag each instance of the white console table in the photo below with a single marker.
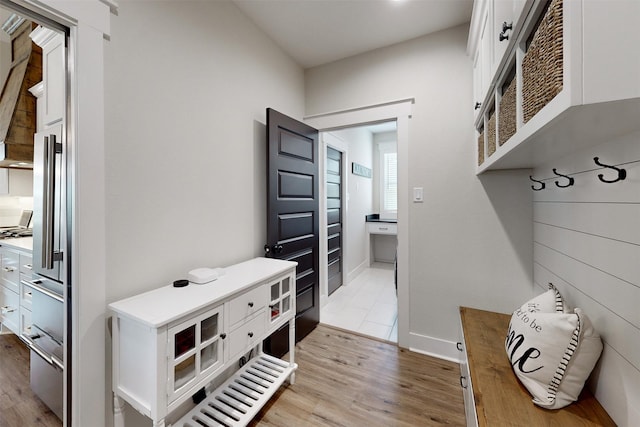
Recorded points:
(171, 342)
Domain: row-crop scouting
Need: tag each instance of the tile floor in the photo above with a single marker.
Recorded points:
(367, 305)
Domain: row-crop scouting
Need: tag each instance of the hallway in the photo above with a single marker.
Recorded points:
(367, 305)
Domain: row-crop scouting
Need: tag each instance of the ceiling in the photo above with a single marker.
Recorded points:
(316, 32)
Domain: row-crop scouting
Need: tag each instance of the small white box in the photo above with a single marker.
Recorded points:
(203, 275)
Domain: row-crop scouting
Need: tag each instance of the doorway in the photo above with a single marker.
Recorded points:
(366, 302)
(399, 111)
(34, 101)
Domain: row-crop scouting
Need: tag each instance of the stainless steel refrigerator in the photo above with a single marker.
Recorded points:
(47, 337)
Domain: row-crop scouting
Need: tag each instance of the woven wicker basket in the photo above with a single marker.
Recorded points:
(542, 64)
(507, 117)
(481, 148)
(491, 134)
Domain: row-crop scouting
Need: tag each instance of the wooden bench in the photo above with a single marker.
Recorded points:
(500, 399)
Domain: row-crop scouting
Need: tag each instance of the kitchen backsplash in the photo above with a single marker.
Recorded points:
(11, 208)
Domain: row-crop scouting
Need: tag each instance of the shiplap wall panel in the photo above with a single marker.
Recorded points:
(609, 220)
(620, 259)
(587, 243)
(620, 334)
(612, 375)
(612, 293)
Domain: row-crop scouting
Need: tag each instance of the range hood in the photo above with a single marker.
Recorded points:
(17, 104)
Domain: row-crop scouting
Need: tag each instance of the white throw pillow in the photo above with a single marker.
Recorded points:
(552, 349)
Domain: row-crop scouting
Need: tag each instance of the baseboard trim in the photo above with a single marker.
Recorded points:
(356, 271)
(435, 347)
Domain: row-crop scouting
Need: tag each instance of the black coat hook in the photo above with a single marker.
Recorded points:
(571, 180)
(622, 173)
(542, 184)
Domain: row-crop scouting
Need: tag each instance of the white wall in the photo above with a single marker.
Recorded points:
(470, 242)
(360, 192)
(587, 243)
(187, 85)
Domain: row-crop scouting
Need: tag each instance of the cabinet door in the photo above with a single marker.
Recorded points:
(486, 53)
(502, 19)
(53, 75)
(280, 301)
(195, 351)
(478, 96)
(10, 273)
(10, 310)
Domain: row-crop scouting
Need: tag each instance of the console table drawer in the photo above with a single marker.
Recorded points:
(247, 304)
(246, 335)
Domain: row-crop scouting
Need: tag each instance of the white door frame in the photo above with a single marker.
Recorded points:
(400, 111)
(89, 24)
(327, 139)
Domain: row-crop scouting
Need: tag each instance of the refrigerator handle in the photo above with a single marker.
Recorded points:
(47, 201)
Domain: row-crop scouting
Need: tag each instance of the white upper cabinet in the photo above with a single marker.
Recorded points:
(502, 30)
(53, 74)
(564, 77)
(493, 25)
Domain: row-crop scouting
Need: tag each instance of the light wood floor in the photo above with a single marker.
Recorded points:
(19, 407)
(348, 380)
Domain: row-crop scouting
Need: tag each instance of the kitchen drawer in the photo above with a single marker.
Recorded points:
(10, 310)
(25, 321)
(26, 295)
(247, 335)
(382, 228)
(246, 304)
(26, 266)
(10, 272)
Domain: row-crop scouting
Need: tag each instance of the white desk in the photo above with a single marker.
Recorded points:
(377, 228)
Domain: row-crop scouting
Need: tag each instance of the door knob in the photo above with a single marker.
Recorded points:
(276, 249)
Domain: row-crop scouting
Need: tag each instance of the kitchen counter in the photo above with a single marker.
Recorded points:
(18, 243)
(376, 218)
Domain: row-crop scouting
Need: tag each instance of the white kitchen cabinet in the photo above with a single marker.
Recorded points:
(15, 298)
(10, 270)
(9, 310)
(26, 293)
(600, 90)
(53, 74)
(171, 342)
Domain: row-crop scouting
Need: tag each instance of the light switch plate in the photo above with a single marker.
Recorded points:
(417, 195)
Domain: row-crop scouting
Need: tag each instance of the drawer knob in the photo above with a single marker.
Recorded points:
(223, 335)
(250, 334)
(250, 304)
